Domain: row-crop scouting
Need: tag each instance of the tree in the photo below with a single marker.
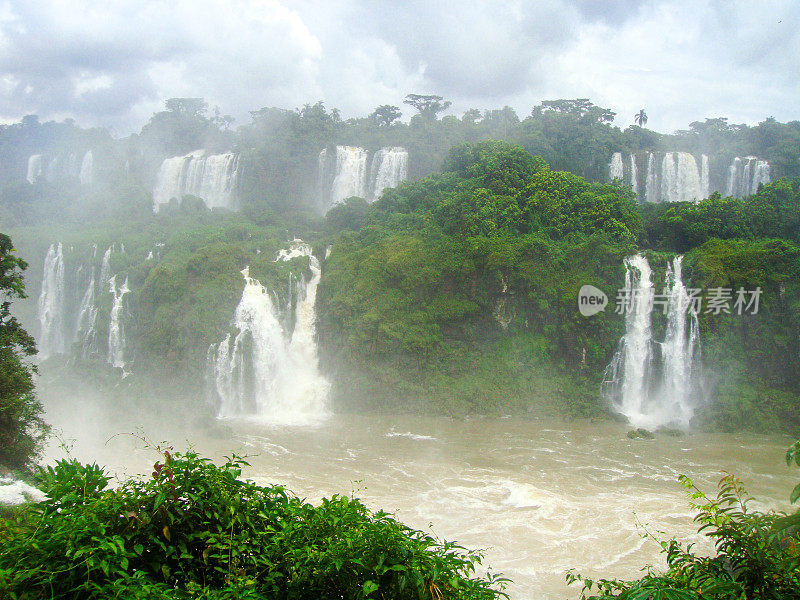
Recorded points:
(640, 118)
(22, 429)
(427, 105)
(385, 115)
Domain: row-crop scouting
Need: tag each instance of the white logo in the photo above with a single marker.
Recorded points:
(591, 300)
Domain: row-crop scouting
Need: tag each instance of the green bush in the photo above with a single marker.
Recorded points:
(196, 530)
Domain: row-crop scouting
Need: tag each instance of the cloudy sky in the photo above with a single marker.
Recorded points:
(112, 62)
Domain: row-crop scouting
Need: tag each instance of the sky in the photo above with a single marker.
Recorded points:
(112, 63)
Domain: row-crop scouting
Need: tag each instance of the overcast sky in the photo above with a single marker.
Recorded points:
(113, 62)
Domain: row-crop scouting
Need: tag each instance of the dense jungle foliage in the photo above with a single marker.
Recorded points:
(196, 530)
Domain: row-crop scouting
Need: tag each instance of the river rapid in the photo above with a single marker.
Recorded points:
(540, 496)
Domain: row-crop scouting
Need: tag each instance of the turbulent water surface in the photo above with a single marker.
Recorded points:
(540, 496)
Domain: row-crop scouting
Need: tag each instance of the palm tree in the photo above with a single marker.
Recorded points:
(640, 118)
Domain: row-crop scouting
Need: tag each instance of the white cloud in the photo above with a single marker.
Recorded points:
(114, 63)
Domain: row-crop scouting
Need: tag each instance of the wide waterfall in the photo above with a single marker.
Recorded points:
(116, 327)
(745, 175)
(348, 175)
(265, 371)
(34, 168)
(654, 383)
(213, 178)
(683, 177)
(51, 304)
(389, 168)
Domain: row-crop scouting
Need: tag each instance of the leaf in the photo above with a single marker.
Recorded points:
(369, 587)
(795, 494)
(166, 533)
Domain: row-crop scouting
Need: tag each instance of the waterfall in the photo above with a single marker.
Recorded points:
(669, 178)
(105, 266)
(84, 333)
(705, 186)
(351, 174)
(264, 371)
(654, 383)
(34, 168)
(116, 330)
(634, 176)
(615, 169)
(213, 178)
(651, 193)
(51, 304)
(389, 168)
(86, 175)
(745, 175)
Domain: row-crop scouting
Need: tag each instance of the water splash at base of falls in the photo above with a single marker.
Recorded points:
(264, 372)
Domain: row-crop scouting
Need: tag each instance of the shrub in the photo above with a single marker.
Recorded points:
(196, 530)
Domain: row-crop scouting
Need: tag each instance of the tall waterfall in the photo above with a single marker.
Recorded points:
(116, 328)
(213, 178)
(266, 371)
(84, 333)
(351, 174)
(389, 168)
(654, 383)
(634, 176)
(615, 169)
(51, 304)
(86, 175)
(745, 175)
(34, 168)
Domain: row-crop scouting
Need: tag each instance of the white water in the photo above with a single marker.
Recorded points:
(389, 168)
(87, 318)
(745, 175)
(116, 328)
(50, 308)
(682, 177)
(34, 168)
(615, 169)
(213, 178)
(86, 176)
(634, 384)
(351, 174)
(266, 372)
(634, 176)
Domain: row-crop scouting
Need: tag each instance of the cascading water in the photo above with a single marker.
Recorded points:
(615, 169)
(86, 176)
(34, 168)
(263, 372)
(116, 330)
(745, 175)
(651, 192)
(634, 176)
(213, 178)
(351, 174)
(389, 168)
(84, 333)
(653, 383)
(51, 304)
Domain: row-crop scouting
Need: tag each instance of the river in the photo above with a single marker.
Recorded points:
(539, 496)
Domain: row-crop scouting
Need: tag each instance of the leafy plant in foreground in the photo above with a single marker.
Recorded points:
(196, 530)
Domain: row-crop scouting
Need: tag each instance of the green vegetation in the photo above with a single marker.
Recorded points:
(196, 530)
(448, 276)
(22, 429)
